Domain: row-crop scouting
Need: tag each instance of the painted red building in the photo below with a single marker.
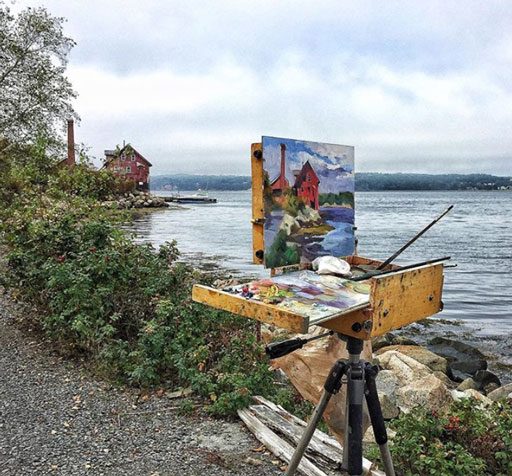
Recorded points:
(129, 164)
(306, 185)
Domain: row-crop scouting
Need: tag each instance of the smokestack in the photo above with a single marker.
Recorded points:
(282, 175)
(71, 143)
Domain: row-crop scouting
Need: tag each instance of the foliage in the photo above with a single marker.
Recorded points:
(126, 307)
(345, 199)
(466, 440)
(34, 92)
(280, 253)
(200, 182)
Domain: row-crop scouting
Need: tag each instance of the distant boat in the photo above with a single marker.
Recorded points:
(194, 198)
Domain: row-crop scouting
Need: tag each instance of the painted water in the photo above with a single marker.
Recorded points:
(476, 234)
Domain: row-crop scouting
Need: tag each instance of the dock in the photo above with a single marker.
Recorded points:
(190, 199)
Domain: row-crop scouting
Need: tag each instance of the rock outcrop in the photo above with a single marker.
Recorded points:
(135, 199)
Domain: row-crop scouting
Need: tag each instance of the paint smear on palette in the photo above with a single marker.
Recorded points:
(310, 295)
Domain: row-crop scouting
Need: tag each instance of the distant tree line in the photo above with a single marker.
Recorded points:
(382, 181)
(364, 182)
(200, 182)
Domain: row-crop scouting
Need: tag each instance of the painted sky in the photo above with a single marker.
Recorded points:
(333, 164)
(414, 86)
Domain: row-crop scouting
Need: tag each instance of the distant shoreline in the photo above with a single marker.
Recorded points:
(365, 182)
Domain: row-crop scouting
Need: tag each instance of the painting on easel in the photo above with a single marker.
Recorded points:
(308, 192)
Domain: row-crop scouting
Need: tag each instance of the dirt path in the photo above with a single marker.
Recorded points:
(56, 419)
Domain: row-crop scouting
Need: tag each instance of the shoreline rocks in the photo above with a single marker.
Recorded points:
(135, 199)
(414, 375)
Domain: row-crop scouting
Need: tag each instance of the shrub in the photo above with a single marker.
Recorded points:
(467, 440)
(127, 307)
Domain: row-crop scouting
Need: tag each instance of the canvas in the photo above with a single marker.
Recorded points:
(308, 193)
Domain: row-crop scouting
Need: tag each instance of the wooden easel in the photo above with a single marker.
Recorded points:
(394, 300)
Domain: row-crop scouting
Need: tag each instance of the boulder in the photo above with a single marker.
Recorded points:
(390, 339)
(428, 392)
(463, 359)
(408, 383)
(500, 393)
(486, 381)
(467, 384)
(433, 361)
(387, 385)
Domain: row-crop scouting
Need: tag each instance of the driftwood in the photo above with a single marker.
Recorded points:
(277, 445)
(267, 421)
(307, 369)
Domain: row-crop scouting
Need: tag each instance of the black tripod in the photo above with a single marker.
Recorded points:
(360, 378)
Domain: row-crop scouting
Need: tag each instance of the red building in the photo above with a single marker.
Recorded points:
(129, 164)
(306, 185)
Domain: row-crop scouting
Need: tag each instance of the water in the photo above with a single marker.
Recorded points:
(476, 234)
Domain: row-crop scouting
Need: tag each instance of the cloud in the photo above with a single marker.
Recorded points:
(413, 86)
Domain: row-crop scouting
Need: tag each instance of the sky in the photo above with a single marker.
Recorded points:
(333, 164)
(423, 86)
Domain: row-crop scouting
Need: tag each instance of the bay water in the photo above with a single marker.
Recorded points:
(477, 235)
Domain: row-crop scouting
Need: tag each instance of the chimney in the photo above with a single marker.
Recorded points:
(71, 143)
(282, 175)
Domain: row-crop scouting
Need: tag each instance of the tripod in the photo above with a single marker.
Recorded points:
(360, 378)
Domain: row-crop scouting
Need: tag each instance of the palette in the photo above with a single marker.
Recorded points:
(317, 297)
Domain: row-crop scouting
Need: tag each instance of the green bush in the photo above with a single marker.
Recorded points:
(466, 440)
(127, 307)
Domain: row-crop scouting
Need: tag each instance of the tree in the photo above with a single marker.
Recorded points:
(35, 95)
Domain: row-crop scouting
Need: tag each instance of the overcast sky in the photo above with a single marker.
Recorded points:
(423, 86)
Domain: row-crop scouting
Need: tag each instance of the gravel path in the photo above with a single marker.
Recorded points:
(57, 419)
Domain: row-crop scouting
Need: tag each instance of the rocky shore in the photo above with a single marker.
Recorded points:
(432, 375)
(135, 199)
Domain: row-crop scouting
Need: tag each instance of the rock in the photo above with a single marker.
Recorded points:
(401, 340)
(433, 361)
(487, 381)
(500, 393)
(471, 393)
(382, 341)
(443, 377)
(288, 224)
(467, 384)
(408, 383)
(463, 359)
(428, 392)
(387, 384)
(404, 367)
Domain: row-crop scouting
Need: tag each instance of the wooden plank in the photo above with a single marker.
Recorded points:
(403, 297)
(254, 310)
(319, 436)
(329, 457)
(275, 444)
(258, 214)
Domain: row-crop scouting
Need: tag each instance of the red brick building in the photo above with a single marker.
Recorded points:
(129, 164)
(306, 186)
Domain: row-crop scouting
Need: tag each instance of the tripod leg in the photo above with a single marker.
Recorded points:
(355, 393)
(379, 428)
(308, 434)
(353, 446)
(332, 385)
